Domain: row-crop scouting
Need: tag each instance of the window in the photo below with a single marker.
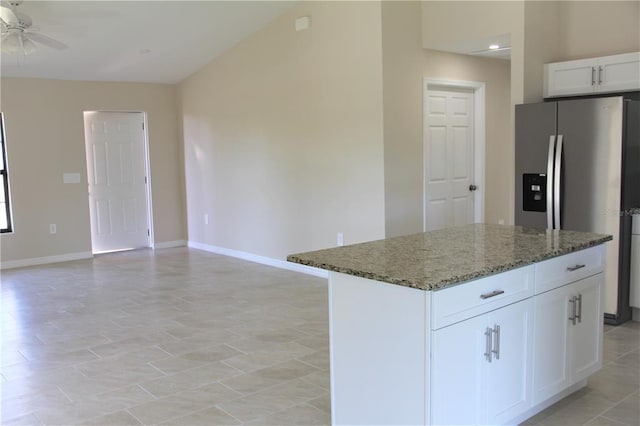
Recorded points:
(5, 208)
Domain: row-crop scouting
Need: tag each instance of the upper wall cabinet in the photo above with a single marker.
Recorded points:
(617, 73)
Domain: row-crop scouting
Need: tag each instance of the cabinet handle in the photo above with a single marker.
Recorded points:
(579, 308)
(496, 350)
(593, 76)
(492, 294)
(575, 268)
(600, 72)
(487, 342)
(572, 318)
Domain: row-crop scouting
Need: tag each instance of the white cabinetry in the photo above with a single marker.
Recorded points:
(616, 73)
(568, 332)
(488, 354)
(489, 351)
(379, 340)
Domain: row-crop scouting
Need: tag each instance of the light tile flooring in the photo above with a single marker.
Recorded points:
(185, 337)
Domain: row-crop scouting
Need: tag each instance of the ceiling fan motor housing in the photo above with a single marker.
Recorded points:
(24, 21)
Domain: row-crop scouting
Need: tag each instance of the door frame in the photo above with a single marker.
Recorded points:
(478, 89)
(147, 170)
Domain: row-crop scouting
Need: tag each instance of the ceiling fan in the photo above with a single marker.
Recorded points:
(18, 36)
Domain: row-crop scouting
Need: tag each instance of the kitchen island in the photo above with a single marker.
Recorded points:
(480, 324)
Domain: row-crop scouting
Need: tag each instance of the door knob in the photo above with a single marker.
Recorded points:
(472, 187)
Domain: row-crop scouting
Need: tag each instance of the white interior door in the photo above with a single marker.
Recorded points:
(449, 158)
(116, 172)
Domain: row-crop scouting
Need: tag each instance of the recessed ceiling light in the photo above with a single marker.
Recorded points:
(494, 46)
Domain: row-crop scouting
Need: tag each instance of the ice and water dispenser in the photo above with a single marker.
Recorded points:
(534, 192)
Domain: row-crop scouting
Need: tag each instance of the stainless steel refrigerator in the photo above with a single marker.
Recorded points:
(577, 168)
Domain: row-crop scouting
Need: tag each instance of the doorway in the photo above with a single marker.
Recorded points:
(117, 175)
(453, 149)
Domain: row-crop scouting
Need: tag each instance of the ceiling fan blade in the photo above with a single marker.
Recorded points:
(10, 43)
(8, 15)
(45, 40)
(28, 47)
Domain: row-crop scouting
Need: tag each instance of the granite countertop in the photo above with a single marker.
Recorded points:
(439, 259)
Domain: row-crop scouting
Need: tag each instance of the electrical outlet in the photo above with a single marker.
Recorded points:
(206, 219)
(501, 222)
(340, 239)
(53, 228)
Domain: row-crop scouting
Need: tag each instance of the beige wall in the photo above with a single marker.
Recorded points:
(406, 63)
(403, 72)
(495, 74)
(283, 135)
(445, 22)
(454, 21)
(45, 138)
(291, 137)
(542, 44)
(599, 28)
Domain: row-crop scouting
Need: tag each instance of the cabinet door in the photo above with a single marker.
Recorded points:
(566, 353)
(509, 374)
(551, 327)
(619, 73)
(457, 373)
(569, 78)
(586, 334)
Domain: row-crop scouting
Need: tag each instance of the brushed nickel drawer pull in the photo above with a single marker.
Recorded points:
(492, 294)
(575, 268)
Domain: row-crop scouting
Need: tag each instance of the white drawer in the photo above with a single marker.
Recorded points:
(463, 301)
(562, 270)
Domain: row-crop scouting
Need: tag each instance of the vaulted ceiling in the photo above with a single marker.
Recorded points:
(142, 41)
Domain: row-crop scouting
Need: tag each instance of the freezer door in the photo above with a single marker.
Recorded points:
(591, 164)
(631, 157)
(535, 126)
(591, 179)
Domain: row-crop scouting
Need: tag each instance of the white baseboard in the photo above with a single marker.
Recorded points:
(170, 244)
(9, 264)
(282, 264)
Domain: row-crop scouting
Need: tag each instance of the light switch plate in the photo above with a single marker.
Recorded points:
(303, 23)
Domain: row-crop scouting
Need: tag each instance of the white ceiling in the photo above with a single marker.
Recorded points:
(142, 41)
(155, 41)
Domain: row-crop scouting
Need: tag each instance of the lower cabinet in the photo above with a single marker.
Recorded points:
(481, 367)
(567, 336)
(490, 351)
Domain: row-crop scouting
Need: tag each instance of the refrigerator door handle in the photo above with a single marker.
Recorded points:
(552, 146)
(556, 184)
